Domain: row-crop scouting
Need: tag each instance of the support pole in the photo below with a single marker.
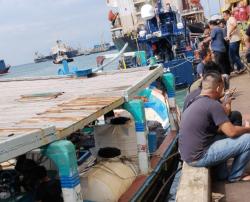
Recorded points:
(65, 67)
(136, 108)
(63, 155)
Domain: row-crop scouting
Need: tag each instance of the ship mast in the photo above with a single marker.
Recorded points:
(209, 9)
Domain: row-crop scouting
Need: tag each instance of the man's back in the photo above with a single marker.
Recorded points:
(191, 96)
(217, 40)
(198, 127)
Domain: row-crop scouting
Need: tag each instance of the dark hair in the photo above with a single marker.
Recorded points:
(215, 75)
(211, 80)
(228, 12)
(223, 22)
(213, 22)
(211, 67)
(212, 72)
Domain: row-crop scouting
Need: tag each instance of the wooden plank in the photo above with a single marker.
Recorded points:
(13, 145)
(131, 91)
(90, 118)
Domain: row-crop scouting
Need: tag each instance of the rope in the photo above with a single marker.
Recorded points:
(186, 60)
(165, 184)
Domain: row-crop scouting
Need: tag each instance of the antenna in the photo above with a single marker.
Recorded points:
(209, 9)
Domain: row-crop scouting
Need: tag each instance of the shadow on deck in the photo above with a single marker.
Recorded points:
(234, 192)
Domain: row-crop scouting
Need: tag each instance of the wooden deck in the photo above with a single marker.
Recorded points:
(237, 192)
(32, 109)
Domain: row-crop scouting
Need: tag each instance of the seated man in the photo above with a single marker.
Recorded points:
(234, 116)
(198, 130)
(208, 66)
(206, 57)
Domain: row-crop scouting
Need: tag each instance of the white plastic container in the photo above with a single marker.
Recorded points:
(108, 181)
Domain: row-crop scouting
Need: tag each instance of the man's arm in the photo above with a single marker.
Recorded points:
(233, 131)
(233, 27)
(206, 40)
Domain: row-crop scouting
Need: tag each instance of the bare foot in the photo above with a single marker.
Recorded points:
(246, 178)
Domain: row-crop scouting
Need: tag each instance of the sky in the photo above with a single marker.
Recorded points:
(27, 26)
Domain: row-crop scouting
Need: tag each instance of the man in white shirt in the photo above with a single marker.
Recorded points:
(233, 36)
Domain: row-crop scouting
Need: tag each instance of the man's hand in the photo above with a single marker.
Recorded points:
(233, 131)
(227, 108)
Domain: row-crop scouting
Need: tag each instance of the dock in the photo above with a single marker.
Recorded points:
(196, 184)
(37, 111)
(235, 192)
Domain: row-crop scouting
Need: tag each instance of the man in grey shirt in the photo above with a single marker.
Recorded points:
(199, 125)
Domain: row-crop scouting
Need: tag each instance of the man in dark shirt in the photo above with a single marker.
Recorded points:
(206, 58)
(199, 125)
(219, 50)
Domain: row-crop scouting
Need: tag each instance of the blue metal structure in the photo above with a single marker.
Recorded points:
(167, 37)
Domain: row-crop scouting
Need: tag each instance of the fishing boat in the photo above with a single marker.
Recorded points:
(126, 18)
(110, 137)
(3, 68)
(159, 29)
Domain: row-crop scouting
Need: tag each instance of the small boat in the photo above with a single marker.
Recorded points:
(61, 57)
(3, 68)
(129, 154)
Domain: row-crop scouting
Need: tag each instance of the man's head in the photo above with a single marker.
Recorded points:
(212, 85)
(222, 23)
(226, 14)
(212, 24)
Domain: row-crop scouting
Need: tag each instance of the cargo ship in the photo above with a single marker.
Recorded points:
(62, 47)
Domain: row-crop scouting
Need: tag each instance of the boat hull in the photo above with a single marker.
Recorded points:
(45, 59)
(121, 41)
(60, 61)
(4, 71)
(164, 165)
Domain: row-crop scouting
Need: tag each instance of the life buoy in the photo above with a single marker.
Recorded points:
(111, 16)
(194, 1)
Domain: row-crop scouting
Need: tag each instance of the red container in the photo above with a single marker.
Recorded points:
(243, 16)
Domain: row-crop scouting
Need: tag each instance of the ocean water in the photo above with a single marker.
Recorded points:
(50, 69)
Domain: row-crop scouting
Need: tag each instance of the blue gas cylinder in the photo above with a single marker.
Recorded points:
(169, 82)
(152, 142)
